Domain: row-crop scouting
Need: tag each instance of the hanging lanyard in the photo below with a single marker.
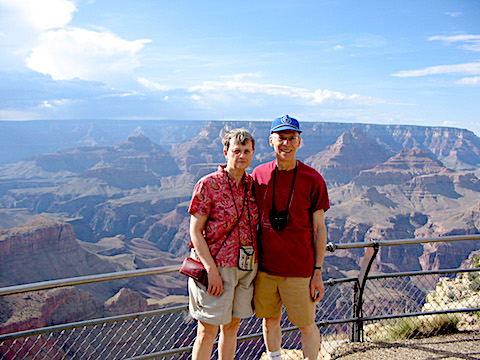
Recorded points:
(234, 201)
(245, 200)
(291, 189)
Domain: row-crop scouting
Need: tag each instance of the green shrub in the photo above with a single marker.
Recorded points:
(476, 261)
(416, 327)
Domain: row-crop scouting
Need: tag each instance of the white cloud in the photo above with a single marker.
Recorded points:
(469, 81)
(453, 14)
(42, 15)
(467, 42)
(465, 69)
(23, 21)
(243, 87)
(37, 34)
(245, 90)
(84, 54)
(17, 115)
(153, 85)
(54, 103)
(243, 76)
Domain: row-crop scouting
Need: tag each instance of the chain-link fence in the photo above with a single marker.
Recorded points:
(166, 334)
(392, 307)
(421, 305)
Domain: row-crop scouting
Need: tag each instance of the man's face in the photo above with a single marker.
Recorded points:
(239, 156)
(285, 143)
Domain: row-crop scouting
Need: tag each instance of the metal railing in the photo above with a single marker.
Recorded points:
(377, 307)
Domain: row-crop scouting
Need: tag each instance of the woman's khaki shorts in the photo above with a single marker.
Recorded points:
(235, 301)
(293, 292)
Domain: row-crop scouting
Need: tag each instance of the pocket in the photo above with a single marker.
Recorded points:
(206, 301)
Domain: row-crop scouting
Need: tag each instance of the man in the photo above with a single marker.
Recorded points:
(292, 198)
(223, 223)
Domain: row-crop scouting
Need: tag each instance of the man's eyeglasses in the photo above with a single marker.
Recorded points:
(290, 139)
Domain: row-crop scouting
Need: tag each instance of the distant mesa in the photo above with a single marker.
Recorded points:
(401, 168)
(122, 204)
(353, 152)
(135, 154)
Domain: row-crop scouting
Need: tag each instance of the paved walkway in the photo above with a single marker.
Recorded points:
(465, 345)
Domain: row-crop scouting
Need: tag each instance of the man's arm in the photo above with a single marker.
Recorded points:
(215, 282)
(319, 244)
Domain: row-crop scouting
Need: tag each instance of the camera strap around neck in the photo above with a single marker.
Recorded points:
(291, 189)
(238, 217)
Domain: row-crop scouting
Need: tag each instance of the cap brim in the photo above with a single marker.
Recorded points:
(283, 128)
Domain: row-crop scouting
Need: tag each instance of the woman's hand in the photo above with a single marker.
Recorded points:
(215, 282)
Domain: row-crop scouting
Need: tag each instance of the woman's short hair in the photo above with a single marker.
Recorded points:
(241, 135)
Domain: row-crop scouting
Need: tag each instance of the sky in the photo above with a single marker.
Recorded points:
(413, 62)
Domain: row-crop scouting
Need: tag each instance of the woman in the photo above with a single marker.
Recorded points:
(223, 224)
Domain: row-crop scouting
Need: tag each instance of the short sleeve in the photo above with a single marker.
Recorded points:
(201, 202)
(320, 200)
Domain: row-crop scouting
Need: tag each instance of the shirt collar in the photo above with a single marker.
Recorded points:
(222, 169)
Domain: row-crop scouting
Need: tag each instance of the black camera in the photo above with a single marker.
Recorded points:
(278, 219)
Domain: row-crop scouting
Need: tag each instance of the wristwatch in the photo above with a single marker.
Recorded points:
(317, 268)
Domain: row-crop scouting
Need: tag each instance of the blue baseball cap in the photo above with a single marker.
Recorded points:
(285, 123)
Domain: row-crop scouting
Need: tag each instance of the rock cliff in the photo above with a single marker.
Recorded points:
(461, 292)
(63, 305)
(45, 249)
(353, 152)
(127, 201)
(39, 309)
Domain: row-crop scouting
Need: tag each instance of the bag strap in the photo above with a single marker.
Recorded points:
(223, 242)
(238, 219)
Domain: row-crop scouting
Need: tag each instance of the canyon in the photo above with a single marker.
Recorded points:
(107, 197)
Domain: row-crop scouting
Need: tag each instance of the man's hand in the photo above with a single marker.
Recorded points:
(317, 288)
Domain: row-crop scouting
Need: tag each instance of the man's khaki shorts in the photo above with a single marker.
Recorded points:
(293, 292)
(235, 301)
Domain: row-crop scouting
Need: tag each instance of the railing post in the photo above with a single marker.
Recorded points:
(359, 288)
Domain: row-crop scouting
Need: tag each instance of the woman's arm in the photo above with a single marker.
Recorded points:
(215, 282)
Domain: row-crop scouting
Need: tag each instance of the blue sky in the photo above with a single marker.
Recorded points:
(411, 62)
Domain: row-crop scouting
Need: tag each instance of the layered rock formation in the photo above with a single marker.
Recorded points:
(127, 202)
(353, 152)
(125, 301)
(63, 305)
(45, 249)
(461, 292)
(376, 182)
(137, 153)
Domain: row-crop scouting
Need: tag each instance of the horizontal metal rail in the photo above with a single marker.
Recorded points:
(88, 279)
(158, 354)
(92, 322)
(189, 348)
(417, 314)
(44, 285)
(332, 246)
(330, 282)
(421, 273)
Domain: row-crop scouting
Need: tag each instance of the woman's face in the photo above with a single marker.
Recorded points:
(239, 156)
